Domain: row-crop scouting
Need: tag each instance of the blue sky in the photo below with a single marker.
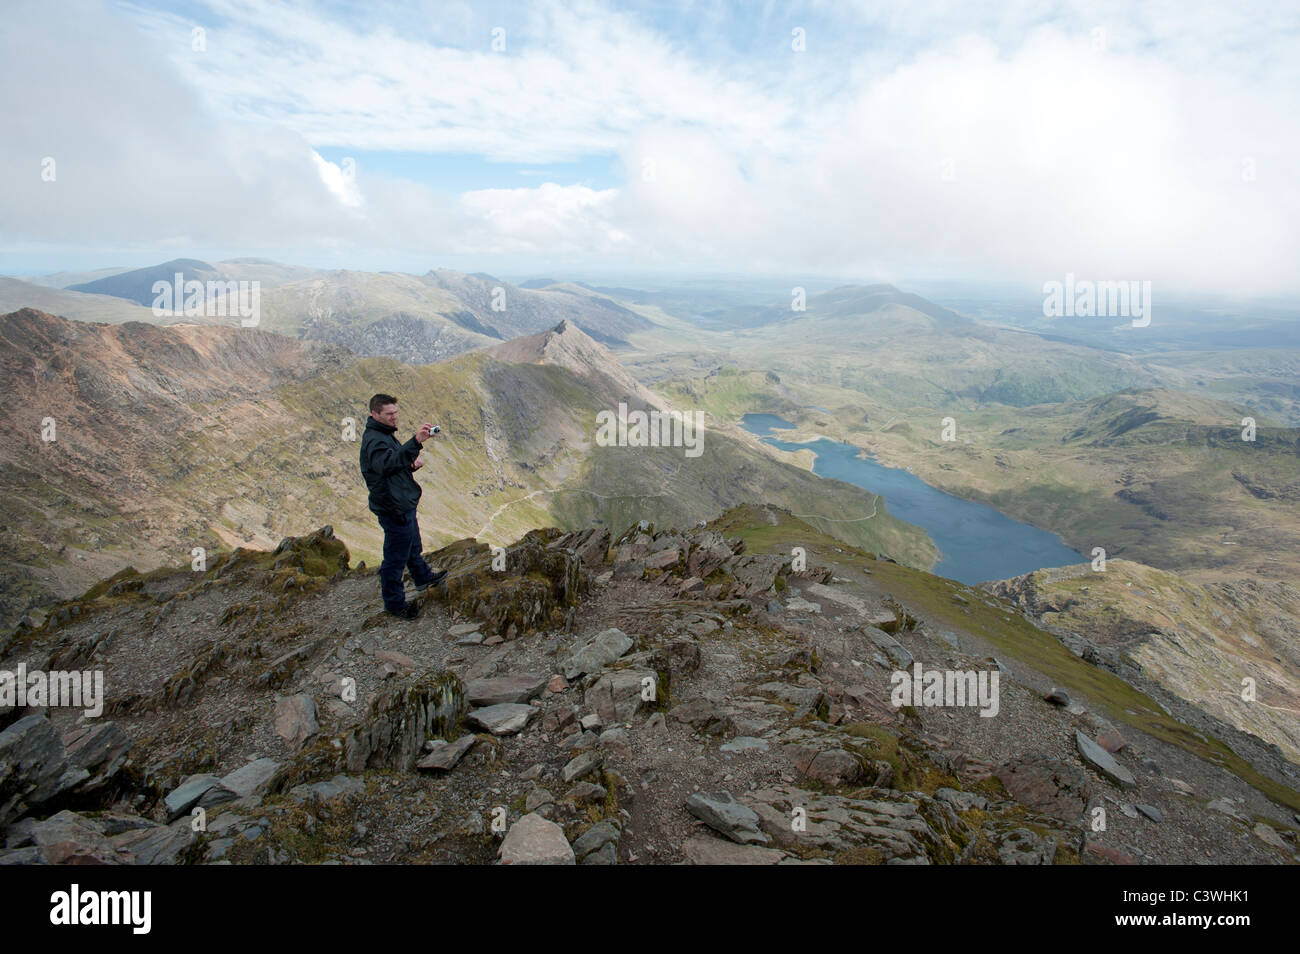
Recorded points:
(454, 173)
(875, 140)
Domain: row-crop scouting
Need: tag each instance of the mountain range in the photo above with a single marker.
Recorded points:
(416, 319)
(174, 435)
(170, 438)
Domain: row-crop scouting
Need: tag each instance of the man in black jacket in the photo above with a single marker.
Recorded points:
(388, 469)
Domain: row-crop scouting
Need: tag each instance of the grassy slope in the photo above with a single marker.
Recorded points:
(309, 474)
(717, 483)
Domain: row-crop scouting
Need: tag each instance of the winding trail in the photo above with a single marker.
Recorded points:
(875, 498)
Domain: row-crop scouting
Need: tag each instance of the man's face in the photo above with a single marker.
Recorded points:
(386, 415)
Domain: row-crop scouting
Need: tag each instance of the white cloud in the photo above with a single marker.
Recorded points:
(341, 180)
(991, 141)
(549, 220)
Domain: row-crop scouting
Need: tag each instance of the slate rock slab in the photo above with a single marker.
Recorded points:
(1103, 761)
(728, 817)
(444, 755)
(597, 653)
(494, 691)
(506, 718)
(533, 840)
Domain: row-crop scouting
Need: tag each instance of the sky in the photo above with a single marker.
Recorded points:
(870, 141)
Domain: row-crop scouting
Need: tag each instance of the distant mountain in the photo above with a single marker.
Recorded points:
(891, 349)
(1193, 324)
(137, 284)
(170, 438)
(64, 279)
(566, 346)
(115, 295)
(848, 301)
(1157, 416)
(16, 294)
(429, 318)
(1267, 379)
(376, 314)
(417, 319)
(513, 310)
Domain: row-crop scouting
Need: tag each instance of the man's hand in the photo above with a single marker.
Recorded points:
(417, 464)
(422, 434)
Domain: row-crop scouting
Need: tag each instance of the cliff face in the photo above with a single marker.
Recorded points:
(67, 364)
(1199, 641)
(663, 696)
(98, 421)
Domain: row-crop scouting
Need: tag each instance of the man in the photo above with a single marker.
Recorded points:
(387, 467)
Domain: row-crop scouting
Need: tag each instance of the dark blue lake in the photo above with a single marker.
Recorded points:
(975, 542)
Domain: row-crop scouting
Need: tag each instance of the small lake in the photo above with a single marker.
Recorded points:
(975, 542)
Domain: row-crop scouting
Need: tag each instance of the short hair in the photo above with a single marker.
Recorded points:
(378, 402)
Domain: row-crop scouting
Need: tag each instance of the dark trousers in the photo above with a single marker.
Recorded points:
(402, 550)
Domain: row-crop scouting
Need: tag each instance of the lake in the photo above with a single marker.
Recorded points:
(975, 542)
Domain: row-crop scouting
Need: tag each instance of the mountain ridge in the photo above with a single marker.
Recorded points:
(570, 347)
(215, 437)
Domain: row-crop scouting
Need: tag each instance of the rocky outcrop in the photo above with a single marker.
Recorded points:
(886, 827)
(32, 766)
(538, 586)
(1047, 785)
(401, 719)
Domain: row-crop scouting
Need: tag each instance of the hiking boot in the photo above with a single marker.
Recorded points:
(435, 580)
(409, 611)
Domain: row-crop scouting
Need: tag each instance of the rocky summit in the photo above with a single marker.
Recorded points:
(722, 694)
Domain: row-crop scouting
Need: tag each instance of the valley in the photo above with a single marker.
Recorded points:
(1091, 445)
(975, 542)
(203, 435)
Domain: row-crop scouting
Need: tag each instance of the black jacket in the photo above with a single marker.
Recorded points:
(386, 467)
